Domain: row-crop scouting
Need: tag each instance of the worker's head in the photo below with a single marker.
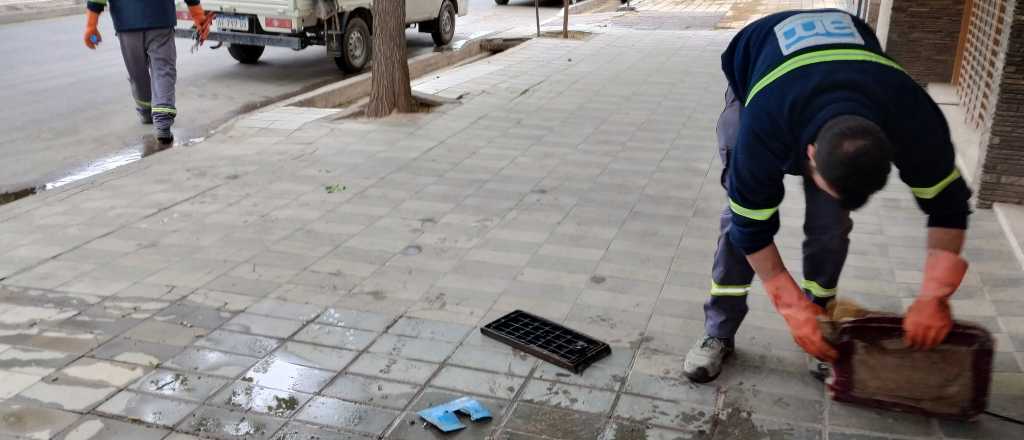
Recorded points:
(850, 160)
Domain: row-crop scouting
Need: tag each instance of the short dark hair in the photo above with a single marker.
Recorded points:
(854, 156)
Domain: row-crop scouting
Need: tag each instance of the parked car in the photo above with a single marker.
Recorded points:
(343, 26)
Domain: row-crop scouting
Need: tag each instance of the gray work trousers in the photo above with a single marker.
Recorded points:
(827, 229)
(150, 57)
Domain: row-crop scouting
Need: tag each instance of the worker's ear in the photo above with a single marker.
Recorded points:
(810, 154)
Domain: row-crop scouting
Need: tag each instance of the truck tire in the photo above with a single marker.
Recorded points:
(246, 54)
(444, 26)
(356, 46)
(501, 2)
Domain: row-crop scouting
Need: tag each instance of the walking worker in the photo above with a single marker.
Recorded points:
(812, 93)
(145, 29)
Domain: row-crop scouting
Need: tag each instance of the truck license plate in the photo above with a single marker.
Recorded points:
(232, 23)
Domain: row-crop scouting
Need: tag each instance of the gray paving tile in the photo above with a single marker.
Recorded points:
(220, 423)
(244, 286)
(554, 422)
(165, 333)
(147, 408)
(126, 350)
(185, 386)
(275, 372)
(238, 343)
(351, 416)
(626, 430)
(478, 382)
(31, 422)
(878, 421)
(262, 325)
(422, 328)
(285, 310)
(315, 356)
(751, 399)
(67, 395)
(189, 315)
(734, 424)
(33, 361)
(673, 389)
(393, 368)
(506, 361)
(302, 431)
(412, 427)
(244, 396)
(371, 391)
(212, 362)
(681, 416)
(340, 337)
(355, 319)
(568, 396)
(413, 348)
(99, 428)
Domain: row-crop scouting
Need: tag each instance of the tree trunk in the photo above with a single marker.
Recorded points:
(565, 19)
(390, 89)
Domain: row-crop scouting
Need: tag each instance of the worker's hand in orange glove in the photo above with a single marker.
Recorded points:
(92, 34)
(928, 320)
(800, 314)
(201, 20)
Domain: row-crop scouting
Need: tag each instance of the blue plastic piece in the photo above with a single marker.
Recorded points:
(444, 416)
(93, 39)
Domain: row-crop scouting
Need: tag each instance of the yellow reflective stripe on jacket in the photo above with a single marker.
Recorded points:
(818, 57)
(817, 290)
(755, 214)
(934, 190)
(164, 110)
(722, 290)
(99, 2)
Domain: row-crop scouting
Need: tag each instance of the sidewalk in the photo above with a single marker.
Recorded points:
(298, 277)
(14, 11)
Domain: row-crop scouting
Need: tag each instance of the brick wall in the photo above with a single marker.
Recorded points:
(923, 37)
(1002, 173)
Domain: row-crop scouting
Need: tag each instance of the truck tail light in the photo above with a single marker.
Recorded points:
(285, 23)
(183, 15)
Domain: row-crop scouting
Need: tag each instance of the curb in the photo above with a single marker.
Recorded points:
(20, 17)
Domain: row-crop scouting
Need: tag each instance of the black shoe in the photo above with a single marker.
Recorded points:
(164, 136)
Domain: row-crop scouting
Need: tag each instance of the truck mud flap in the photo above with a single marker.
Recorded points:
(250, 39)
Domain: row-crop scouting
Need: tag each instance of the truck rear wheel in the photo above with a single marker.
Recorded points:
(501, 2)
(356, 46)
(444, 26)
(245, 53)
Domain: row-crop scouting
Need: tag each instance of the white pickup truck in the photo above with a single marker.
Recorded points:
(344, 26)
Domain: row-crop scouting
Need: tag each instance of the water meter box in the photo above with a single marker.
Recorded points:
(875, 368)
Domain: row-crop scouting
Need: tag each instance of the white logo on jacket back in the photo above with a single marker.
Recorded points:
(815, 29)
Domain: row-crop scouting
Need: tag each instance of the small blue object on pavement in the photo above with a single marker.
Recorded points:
(444, 416)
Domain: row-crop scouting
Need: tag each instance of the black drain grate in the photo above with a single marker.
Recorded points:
(547, 340)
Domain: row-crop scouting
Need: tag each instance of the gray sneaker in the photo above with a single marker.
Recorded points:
(704, 361)
(818, 369)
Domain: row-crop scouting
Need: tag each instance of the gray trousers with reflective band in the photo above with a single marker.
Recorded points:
(827, 229)
(150, 57)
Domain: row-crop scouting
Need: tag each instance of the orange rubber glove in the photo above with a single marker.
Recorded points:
(92, 35)
(928, 320)
(201, 21)
(800, 314)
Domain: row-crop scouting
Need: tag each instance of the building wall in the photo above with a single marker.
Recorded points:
(922, 36)
(1002, 170)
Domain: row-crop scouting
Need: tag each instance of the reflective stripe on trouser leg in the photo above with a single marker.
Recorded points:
(731, 274)
(162, 58)
(827, 229)
(133, 51)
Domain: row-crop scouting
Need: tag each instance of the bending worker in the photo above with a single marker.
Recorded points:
(811, 93)
(146, 33)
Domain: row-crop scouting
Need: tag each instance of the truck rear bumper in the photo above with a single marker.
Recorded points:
(250, 39)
